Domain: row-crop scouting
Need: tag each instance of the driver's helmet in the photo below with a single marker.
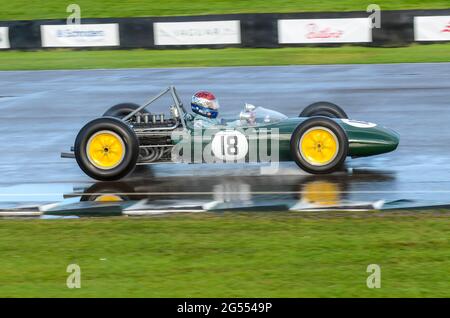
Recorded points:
(205, 103)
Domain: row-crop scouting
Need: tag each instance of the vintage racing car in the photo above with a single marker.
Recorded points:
(319, 140)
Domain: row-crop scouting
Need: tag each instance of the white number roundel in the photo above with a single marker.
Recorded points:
(229, 145)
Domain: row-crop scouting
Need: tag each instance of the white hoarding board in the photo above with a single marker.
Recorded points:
(434, 28)
(197, 33)
(4, 38)
(352, 30)
(80, 35)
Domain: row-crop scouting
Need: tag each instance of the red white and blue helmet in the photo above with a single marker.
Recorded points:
(205, 103)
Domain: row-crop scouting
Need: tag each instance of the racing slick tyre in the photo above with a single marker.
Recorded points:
(106, 149)
(121, 110)
(326, 109)
(319, 145)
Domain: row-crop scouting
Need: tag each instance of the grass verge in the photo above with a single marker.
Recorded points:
(69, 59)
(229, 255)
(55, 9)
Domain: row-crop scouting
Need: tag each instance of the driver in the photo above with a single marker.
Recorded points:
(206, 109)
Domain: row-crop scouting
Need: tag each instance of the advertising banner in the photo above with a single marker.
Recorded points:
(4, 38)
(351, 30)
(432, 28)
(197, 33)
(80, 35)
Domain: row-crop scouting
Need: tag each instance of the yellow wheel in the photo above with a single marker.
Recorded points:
(319, 146)
(105, 149)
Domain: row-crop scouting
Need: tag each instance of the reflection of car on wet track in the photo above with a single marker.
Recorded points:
(319, 140)
(238, 192)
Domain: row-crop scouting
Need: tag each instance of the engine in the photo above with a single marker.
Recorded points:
(148, 120)
(154, 134)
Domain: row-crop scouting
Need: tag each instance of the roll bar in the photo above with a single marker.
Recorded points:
(176, 99)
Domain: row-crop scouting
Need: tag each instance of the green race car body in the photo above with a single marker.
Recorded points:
(364, 139)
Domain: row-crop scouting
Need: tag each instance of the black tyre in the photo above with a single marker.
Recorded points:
(319, 145)
(121, 110)
(106, 149)
(326, 109)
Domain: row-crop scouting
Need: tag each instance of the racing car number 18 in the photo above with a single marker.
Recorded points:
(229, 145)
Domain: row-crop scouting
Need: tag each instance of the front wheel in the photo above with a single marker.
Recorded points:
(106, 149)
(319, 145)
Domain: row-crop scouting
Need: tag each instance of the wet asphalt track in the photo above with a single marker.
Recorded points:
(42, 111)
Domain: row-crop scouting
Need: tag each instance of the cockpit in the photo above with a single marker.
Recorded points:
(256, 116)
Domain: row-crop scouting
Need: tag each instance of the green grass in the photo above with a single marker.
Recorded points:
(68, 59)
(229, 255)
(52, 9)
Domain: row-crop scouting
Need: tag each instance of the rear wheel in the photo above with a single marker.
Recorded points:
(325, 109)
(319, 145)
(106, 149)
(122, 110)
